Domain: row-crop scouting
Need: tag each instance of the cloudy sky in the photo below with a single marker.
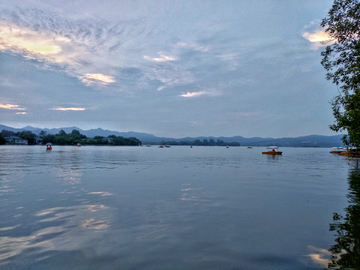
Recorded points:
(172, 68)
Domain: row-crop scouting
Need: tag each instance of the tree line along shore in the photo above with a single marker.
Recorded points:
(62, 138)
(75, 137)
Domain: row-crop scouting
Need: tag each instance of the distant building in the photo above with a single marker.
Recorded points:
(38, 140)
(15, 140)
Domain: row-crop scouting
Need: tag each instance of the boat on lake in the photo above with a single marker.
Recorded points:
(78, 145)
(272, 151)
(337, 150)
(350, 152)
(48, 146)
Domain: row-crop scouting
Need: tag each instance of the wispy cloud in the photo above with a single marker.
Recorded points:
(83, 49)
(47, 46)
(19, 39)
(318, 39)
(11, 107)
(193, 94)
(197, 124)
(193, 46)
(212, 93)
(97, 78)
(163, 58)
(95, 52)
(319, 256)
(231, 58)
(316, 35)
(67, 109)
(21, 113)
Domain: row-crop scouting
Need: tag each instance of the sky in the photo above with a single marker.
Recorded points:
(172, 68)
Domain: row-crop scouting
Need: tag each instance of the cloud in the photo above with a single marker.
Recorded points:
(317, 36)
(94, 51)
(67, 109)
(162, 58)
(21, 113)
(193, 46)
(319, 256)
(97, 78)
(197, 124)
(193, 94)
(83, 49)
(212, 93)
(11, 107)
(18, 39)
(31, 43)
(231, 58)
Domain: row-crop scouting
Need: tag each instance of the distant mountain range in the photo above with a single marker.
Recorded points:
(145, 138)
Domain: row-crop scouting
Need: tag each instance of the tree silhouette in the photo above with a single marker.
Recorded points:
(346, 251)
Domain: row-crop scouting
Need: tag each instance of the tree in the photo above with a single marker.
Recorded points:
(75, 132)
(342, 61)
(62, 133)
(99, 140)
(133, 141)
(50, 138)
(27, 135)
(2, 139)
(118, 141)
(7, 133)
(61, 140)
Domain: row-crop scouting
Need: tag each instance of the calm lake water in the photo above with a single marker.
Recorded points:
(95, 207)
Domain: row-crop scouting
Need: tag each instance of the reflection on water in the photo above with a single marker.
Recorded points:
(64, 232)
(319, 256)
(184, 208)
(273, 158)
(71, 177)
(345, 254)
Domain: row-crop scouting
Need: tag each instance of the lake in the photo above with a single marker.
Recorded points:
(100, 207)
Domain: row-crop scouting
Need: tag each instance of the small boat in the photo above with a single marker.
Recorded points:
(148, 145)
(346, 154)
(350, 152)
(249, 147)
(167, 146)
(272, 151)
(161, 146)
(78, 145)
(48, 146)
(337, 150)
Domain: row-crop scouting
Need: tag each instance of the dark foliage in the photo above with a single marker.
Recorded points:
(76, 137)
(342, 61)
(205, 142)
(345, 254)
